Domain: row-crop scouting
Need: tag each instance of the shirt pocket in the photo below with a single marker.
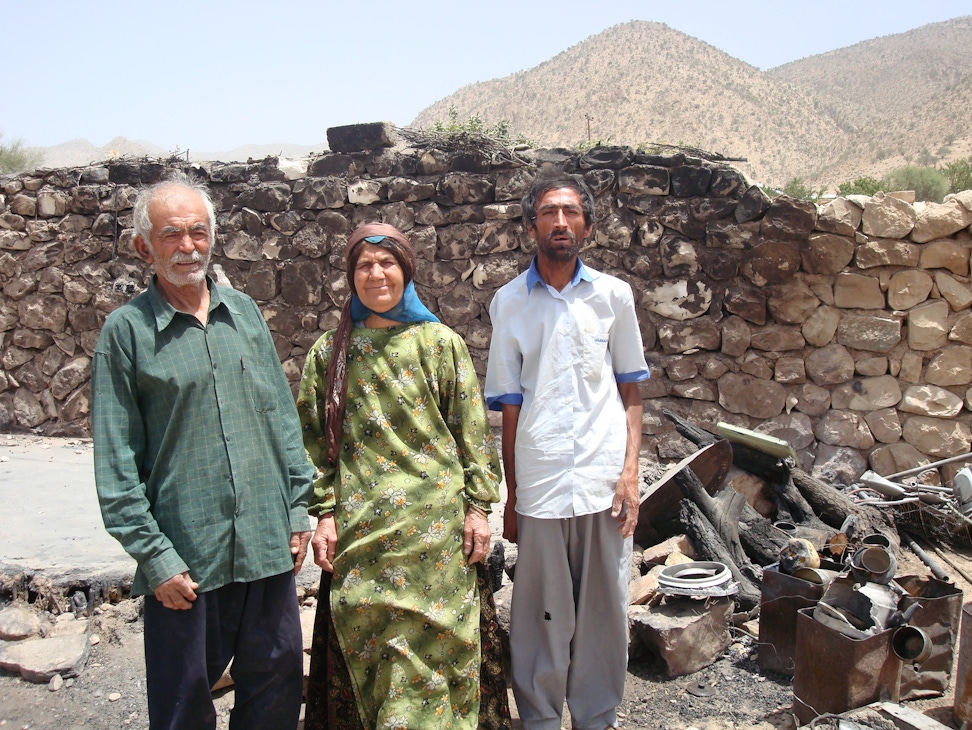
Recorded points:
(259, 385)
(595, 346)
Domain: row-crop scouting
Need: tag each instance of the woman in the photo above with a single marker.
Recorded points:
(395, 424)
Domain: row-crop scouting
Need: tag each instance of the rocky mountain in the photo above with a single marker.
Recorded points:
(826, 119)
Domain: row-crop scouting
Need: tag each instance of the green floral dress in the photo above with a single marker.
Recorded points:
(416, 451)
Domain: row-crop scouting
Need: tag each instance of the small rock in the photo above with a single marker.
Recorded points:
(114, 697)
(17, 623)
(39, 660)
(94, 639)
(57, 681)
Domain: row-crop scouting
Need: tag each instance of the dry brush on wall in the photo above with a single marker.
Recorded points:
(845, 329)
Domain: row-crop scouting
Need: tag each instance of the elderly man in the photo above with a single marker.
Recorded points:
(202, 476)
(564, 362)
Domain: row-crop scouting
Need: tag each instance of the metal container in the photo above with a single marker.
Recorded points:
(962, 709)
(781, 596)
(938, 616)
(835, 673)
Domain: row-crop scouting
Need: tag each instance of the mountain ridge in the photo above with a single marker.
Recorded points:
(786, 121)
(860, 110)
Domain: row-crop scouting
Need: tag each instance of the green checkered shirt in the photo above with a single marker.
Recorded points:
(199, 462)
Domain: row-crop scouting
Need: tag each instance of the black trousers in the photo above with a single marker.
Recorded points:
(257, 625)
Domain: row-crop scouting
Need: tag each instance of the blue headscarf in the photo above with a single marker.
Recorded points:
(408, 309)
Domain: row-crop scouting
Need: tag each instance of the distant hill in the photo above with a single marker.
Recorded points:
(861, 110)
(80, 152)
(827, 118)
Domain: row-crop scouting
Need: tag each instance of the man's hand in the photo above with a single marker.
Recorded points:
(627, 498)
(511, 416)
(475, 536)
(178, 592)
(510, 528)
(298, 548)
(626, 504)
(325, 542)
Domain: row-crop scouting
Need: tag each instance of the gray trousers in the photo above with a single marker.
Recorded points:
(568, 620)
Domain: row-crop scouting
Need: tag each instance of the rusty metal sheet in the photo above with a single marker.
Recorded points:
(660, 503)
(939, 616)
(962, 709)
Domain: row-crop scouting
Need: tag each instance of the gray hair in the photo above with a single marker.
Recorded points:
(175, 179)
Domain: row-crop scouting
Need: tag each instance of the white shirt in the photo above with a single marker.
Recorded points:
(560, 355)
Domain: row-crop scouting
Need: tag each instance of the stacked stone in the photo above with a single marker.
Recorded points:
(845, 330)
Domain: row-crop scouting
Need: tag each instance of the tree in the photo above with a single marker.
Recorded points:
(796, 188)
(928, 183)
(958, 174)
(861, 186)
(15, 157)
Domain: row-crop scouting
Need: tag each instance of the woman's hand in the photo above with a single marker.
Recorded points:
(325, 542)
(475, 535)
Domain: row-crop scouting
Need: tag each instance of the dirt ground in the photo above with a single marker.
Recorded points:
(110, 692)
(732, 693)
(735, 692)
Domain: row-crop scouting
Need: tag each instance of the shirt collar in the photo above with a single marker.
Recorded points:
(581, 272)
(165, 312)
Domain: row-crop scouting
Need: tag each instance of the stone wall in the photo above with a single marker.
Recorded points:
(845, 329)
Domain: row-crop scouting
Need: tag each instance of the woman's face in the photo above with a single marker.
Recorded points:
(378, 279)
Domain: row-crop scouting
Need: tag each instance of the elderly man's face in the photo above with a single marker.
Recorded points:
(181, 242)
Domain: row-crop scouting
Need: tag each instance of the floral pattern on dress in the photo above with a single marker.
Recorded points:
(416, 451)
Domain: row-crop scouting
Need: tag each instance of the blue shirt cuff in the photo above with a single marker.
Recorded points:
(636, 377)
(495, 403)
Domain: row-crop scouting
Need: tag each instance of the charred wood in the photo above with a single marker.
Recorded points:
(722, 512)
(834, 508)
(709, 546)
(761, 541)
(698, 436)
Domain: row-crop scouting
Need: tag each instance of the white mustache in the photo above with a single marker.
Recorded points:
(186, 258)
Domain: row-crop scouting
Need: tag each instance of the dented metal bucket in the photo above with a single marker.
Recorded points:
(869, 670)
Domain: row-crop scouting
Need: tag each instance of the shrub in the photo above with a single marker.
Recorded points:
(15, 157)
(928, 183)
(861, 186)
(796, 188)
(958, 174)
(474, 124)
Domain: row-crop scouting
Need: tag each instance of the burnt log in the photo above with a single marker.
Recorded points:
(776, 472)
(834, 508)
(709, 546)
(761, 541)
(698, 436)
(771, 469)
(722, 511)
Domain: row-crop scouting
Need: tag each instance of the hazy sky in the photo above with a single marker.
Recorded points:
(210, 75)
